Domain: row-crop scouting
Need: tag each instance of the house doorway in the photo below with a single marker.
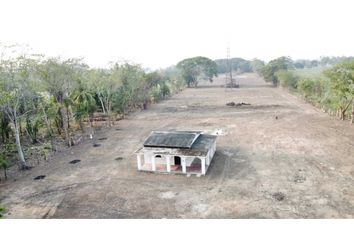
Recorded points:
(177, 160)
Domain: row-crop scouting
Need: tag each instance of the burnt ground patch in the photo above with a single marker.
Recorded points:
(39, 177)
(75, 161)
(279, 196)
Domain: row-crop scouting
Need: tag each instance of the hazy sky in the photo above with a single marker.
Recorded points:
(159, 33)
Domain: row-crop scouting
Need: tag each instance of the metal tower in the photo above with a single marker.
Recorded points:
(230, 82)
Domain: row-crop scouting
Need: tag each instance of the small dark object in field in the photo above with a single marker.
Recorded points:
(104, 138)
(26, 168)
(96, 145)
(233, 104)
(279, 196)
(75, 161)
(39, 177)
(276, 117)
(118, 129)
(118, 158)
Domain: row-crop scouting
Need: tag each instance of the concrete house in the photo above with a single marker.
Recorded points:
(185, 152)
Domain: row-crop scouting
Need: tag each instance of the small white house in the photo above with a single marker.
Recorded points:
(185, 152)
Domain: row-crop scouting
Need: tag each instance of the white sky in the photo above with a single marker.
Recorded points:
(159, 33)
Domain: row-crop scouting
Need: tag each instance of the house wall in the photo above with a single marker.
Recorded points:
(148, 156)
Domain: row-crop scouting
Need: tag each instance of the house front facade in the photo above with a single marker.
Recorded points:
(183, 152)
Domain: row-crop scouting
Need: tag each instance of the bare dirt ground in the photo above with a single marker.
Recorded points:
(276, 158)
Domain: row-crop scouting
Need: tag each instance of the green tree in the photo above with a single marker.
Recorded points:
(342, 84)
(193, 69)
(58, 79)
(84, 104)
(269, 70)
(257, 65)
(287, 79)
(16, 91)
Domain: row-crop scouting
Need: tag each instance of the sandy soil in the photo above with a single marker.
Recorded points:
(276, 158)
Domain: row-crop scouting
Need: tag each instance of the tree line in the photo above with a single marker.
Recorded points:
(46, 100)
(331, 88)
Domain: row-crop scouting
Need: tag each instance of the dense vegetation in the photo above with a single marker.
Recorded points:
(330, 87)
(51, 102)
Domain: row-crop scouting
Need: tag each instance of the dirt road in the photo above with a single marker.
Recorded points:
(276, 158)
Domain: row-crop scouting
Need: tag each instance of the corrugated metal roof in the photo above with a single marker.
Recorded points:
(172, 139)
(200, 147)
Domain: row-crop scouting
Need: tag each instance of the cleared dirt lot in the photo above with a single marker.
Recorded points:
(298, 165)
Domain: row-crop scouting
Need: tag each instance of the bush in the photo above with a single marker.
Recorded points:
(287, 79)
(4, 164)
(314, 90)
(2, 210)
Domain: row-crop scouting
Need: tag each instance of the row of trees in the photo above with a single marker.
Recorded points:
(332, 89)
(50, 98)
(239, 65)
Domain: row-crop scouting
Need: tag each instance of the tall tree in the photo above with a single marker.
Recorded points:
(342, 84)
(193, 69)
(16, 91)
(58, 79)
(269, 70)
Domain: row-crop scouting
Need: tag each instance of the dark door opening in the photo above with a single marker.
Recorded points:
(177, 160)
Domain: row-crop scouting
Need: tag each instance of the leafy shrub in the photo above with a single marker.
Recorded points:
(287, 79)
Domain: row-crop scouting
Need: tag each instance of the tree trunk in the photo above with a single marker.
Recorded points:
(65, 126)
(102, 105)
(91, 125)
(109, 114)
(23, 162)
(352, 113)
(49, 127)
(342, 114)
(67, 117)
(81, 125)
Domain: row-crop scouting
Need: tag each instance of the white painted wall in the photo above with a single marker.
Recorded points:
(188, 160)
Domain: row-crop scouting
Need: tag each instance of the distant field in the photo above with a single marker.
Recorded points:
(310, 72)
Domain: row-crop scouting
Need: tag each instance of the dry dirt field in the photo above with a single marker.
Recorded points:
(298, 165)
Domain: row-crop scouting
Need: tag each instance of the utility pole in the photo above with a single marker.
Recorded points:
(229, 82)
